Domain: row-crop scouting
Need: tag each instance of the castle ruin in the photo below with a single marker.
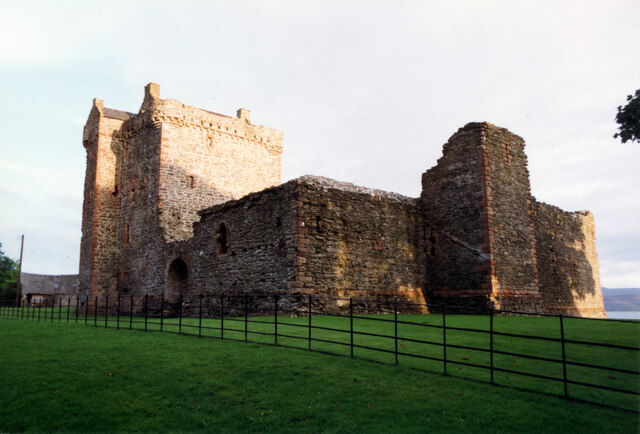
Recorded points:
(181, 200)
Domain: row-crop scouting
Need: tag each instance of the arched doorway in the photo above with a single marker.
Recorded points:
(177, 278)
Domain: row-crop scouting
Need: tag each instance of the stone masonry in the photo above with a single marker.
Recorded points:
(179, 200)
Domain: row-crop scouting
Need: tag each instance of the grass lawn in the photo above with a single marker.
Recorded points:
(58, 376)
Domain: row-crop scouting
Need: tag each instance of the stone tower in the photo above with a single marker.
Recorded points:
(489, 243)
(480, 237)
(147, 176)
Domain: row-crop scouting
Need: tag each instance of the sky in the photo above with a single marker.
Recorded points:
(364, 91)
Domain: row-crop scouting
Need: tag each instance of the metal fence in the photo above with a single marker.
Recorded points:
(588, 360)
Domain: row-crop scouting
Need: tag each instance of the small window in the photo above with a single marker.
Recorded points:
(222, 239)
(191, 182)
(125, 235)
(115, 191)
(574, 266)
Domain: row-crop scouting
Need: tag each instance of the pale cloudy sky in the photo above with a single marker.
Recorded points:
(364, 91)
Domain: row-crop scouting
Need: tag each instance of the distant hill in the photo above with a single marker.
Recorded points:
(617, 299)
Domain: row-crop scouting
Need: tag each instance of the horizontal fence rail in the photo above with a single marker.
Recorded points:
(560, 360)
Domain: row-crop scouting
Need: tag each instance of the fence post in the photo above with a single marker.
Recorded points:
(200, 318)
(162, 312)
(309, 348)
(491, 343)
(68, 307)
(351, 325)
(95, 313)
(131, 312)
(59, 309)
(77, 306)
(22, 306)
(39, 310)
(53, 307)
(222, 316)
(86, 310)
(275, 318)
(118, 314)
(395, 323)
(106, 312)
(564, 359)
(180, 316)
(444, 337)
(246, 317)
(146, 310)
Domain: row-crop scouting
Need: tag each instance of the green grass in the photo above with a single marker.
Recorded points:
(58, 376)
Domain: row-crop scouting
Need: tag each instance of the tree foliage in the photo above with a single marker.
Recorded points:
(628, 119)
(8, 277)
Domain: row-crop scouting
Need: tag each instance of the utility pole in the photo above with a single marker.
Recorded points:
(19, 271)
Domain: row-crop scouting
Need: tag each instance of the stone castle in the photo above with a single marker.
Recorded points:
(180, 200)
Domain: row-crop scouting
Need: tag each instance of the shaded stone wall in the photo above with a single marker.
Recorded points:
(458, 242)
(567, 261)
(140, 241)
(356, 242)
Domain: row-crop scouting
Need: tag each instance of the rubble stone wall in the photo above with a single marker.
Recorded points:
(515, 279)
(458, 243)
(355, 243)
(567, 261)
(242, 246)
(99, 249)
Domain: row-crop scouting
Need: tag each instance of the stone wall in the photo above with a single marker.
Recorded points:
(458, 243)
(140, 240)
(242, 246)
(567, 261)
(98, 249)
(515, 278)
(356, 242)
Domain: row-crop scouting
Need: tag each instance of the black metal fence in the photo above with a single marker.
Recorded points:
(589, 360)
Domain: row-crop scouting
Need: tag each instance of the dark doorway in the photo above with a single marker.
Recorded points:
(177, 278)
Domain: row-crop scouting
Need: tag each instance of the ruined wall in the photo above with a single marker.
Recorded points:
(357, 242)
(242, 246)
(98, 250)
(457, 240)
(567, 261)
(515, 278)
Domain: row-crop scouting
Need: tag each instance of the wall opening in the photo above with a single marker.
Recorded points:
(178, 277)
(222, 239)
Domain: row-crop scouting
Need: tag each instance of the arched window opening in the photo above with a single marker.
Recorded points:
(222, 239)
